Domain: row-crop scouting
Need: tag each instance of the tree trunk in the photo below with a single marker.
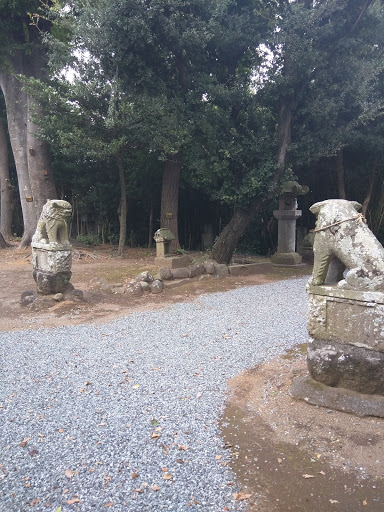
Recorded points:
(170, 197)
(16, 106)
(38, 155)
(226, 244)
(3, 242)
(5, 186)
(228, 239)
(371, 183)
(340, 175)
(123, 207)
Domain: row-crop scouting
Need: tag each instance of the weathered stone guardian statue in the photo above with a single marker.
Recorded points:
(51, 249)
(346, 317)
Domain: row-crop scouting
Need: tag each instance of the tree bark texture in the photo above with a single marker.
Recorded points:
(123, 207)
(226, 244)
(6, 187)
(31, 155)
(170, 197)
(16, 107)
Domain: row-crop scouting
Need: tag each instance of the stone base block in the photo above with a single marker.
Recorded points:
(346, 366)
(315, 393)
(173, 261)
(250, 269)
(52, 260)
(286, 258)
(348, 316)
(50, 283)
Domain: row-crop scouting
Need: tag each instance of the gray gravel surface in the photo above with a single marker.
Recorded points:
(124, 416)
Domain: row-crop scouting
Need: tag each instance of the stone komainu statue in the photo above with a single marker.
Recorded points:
(341, 232)
(52, 227)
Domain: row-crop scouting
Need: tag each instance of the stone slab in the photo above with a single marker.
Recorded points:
(349, 316)
(250, 269)
(346, 366)
(173, 261)
(340, 399)
(286, 258)
(47, 260)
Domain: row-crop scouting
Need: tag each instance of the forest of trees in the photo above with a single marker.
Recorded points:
(188, 114)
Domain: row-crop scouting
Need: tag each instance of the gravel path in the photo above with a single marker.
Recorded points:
(124, 416)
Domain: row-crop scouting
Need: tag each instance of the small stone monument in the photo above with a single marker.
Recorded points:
(286, 215)
(51, 250)
(163, 238)
(346, 317)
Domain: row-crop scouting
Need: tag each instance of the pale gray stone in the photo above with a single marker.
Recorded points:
(196, 269)
(180, 273)
(342, 233)
(209, 267)
(165, 274)
(157, 287)
(221, 270)
(58, 297)
(144, 276)
(146, 287)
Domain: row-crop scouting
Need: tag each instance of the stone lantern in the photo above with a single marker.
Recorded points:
(286, 215)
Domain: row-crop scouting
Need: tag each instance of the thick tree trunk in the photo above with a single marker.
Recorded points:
(16, 106)
(150, 227)
(123, 207)
(170, 197)
(38, 155)
(3, 242)
(5, 186)
(228, 239)
(340, 175)
(226, 244)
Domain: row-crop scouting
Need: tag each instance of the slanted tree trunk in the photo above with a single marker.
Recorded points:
(5, 186)
(16, 106)
(226, 243)
(170, 196)
(123, 207)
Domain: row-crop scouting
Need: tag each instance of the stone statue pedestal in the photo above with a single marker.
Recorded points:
(51, 267)
(346, 358)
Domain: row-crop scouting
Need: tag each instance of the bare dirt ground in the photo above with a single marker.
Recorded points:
(288, 455)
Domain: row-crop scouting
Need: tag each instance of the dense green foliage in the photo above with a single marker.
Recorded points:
(155, 77)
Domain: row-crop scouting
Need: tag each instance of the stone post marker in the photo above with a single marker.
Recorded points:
(345, 318)
(51, 250)
(163, 238)
(286, 215)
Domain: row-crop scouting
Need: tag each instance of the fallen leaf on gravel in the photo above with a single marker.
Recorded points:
(24, 442)
(61, 430)
(155, 435)
(134, 475)
(167, 476)
(59, 509)
(75, 500)
(180, 461)
(279, 460)
(333, 501)
(218, 457)
(241, 496)
(110, 504)
(198, 395)
(308, 476)
(321, 473)
(182, 447)
(34, 502)
(68, 473)
(164, 470)
(158, 429)
(136, 386)
(33, 453)
(155, 488)
(27, 485)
